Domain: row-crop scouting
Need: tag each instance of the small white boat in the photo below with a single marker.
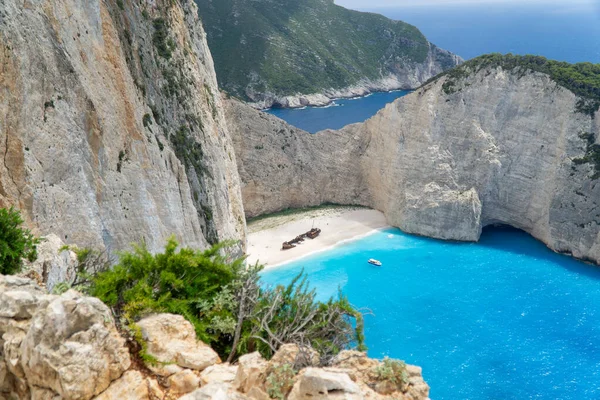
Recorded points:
(375, 262)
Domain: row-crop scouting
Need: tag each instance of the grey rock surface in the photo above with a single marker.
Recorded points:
(56, 346)
(109, 135)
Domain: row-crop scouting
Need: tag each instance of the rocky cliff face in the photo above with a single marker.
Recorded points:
(111, 125)
(282, 166)
(501, 147)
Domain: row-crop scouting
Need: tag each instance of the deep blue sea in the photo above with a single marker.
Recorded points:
(565, 30)
(339, 114)
(505, 318)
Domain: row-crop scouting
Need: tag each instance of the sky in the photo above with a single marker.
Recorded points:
(394, 3)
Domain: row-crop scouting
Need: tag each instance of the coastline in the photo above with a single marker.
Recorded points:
(327, 97)
(339, 225)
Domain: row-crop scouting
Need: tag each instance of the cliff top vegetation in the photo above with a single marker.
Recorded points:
(583, 79)
(290, 46)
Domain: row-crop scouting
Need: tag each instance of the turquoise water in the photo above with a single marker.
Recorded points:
(338, 115)
(502, 319)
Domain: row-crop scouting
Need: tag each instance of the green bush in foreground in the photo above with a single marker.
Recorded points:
(225, 303)
(186, 282)
(16, 242)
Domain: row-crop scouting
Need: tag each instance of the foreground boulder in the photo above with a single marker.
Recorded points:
(55, 263)
(172, 340)
(133, 386)
(320, 384)
(56, 346)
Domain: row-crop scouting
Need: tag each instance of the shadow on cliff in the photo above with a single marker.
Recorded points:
(517, 241)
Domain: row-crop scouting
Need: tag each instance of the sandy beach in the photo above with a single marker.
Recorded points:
(338, 224)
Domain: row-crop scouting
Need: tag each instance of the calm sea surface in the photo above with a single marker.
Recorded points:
(339, 114)
(502, 319)
(566, 30)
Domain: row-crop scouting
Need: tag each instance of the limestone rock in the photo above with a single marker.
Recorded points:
(107, 141)
(498, 150)
(282, 166)
(73, 348)
(291, 354)
(317, 384)
(220, 373)
(357, 362)
(214, 391)
(172, 339)
(257, 393)
(20, 298)
(53, 264)
(251, 373)
(417, 387)
(131, 386)
(56, 346)
(155, 392)
(184, 382)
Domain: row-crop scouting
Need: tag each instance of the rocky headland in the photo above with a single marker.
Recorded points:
(492, 143)
(285, 53)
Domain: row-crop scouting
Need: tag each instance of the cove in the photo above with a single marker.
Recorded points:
(340, 113)
(505, 318)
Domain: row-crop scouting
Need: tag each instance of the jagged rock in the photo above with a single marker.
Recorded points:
(54, 264)
(172, 339)
(220, 373)
(257, 393)
(119, 143)
(20, 298)
(215, 391)
(184, 382)
(252, 371)
(73, 348)
(357, 362)
(131, 386)
(291, 354)
(417, 387)
(155, 392)
(314, 383)
(52, 346)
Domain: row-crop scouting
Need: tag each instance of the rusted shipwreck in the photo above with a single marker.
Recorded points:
(290, 244)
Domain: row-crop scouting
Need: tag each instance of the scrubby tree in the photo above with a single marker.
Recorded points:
(291, 314)
(16, 242)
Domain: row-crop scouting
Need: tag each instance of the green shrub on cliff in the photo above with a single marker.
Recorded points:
(392, 371)
(185, 281)
(583, 79)
(291, 314)
(225, 303)
(16, 242)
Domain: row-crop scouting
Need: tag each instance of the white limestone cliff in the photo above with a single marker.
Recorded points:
(111, 125)
(499, 150)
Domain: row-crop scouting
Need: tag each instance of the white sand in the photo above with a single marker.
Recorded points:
(338, 224)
